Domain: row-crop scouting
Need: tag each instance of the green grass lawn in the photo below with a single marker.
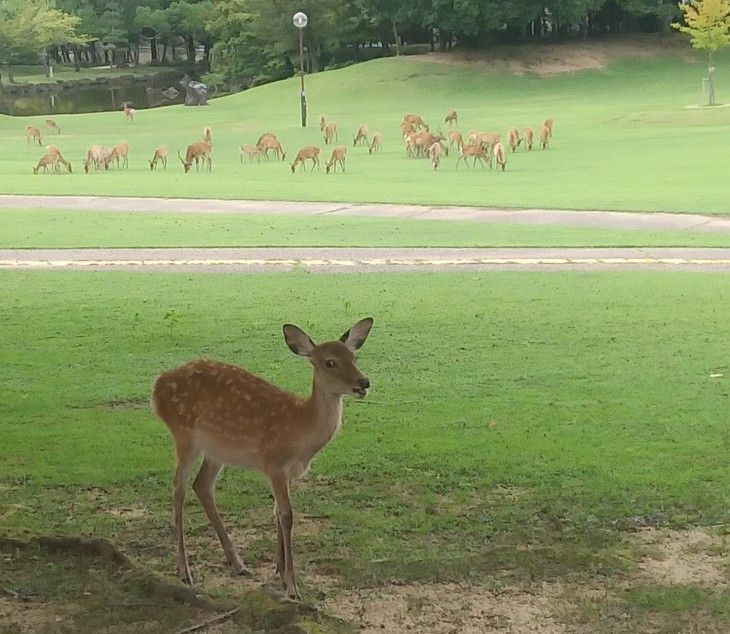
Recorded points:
(624, 139)
(73, 228)
(518, 423)
(521, 424)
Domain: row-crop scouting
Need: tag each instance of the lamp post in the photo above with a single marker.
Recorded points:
(300, 21)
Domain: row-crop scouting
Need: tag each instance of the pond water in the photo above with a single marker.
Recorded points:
(95, 98)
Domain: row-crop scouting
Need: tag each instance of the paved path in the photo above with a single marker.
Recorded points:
(606, 219)
(370, 259)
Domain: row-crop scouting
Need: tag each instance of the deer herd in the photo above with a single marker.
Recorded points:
(418, 139)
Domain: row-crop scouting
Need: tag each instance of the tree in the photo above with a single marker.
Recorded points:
(29, 27)
(708, 24)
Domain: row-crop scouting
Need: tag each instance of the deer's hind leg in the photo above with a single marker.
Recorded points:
(204, 487)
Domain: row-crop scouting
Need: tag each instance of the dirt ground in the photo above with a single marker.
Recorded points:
(693, 558)
(565, 57)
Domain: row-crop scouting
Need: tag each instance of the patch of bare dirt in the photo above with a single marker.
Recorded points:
(564, 57)
(451, 609)
(669, 557)
(685, 557)
(663, 557)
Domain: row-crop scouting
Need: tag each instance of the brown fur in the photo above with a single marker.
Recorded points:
(232, 416)
(307, 152)
(339, 154)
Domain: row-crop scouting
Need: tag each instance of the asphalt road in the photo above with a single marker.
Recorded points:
(368, 259)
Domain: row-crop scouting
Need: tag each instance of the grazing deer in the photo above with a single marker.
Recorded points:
(544, 137)
(52, 149)
(251, 150)
(307, 152)
(160, 156)
(208, 135)
(529, 136)
(417, 144)
(120, 152)
(376, 144)
(339, 154)
(513, 139)
(451, 117)
(407, 129)
(498, 153)
(268, 142)
(549, 125)
(265, 137)
(198, 152)
(128, 110)
(53, 125)
(234, 417)
(434, 153)
(362, 135)
(45, 161)
(94, 156)
(455, 138)
(477, 151)
(51, 158)
(485, 139)
(322, 122)
(416, 121)
(32, 133)
(330, 130)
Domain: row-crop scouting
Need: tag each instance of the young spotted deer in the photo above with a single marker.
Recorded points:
(198, 152)
(234, 417)
(159, 157)
(339, 154)
(307, 152)
(361, 136)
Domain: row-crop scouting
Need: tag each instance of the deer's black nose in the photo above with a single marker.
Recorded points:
(364, 383)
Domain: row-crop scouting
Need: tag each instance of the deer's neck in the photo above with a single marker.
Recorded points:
(327, 414)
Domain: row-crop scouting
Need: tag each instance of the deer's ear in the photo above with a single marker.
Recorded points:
(298, 340)
(355, 337)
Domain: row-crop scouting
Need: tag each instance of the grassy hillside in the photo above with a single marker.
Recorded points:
(624, 138)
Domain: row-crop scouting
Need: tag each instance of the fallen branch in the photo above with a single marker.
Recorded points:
(220, 618)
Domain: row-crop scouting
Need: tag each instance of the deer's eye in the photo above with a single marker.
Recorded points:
(330, 363)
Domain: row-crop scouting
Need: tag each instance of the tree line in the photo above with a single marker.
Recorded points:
(247, 42)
